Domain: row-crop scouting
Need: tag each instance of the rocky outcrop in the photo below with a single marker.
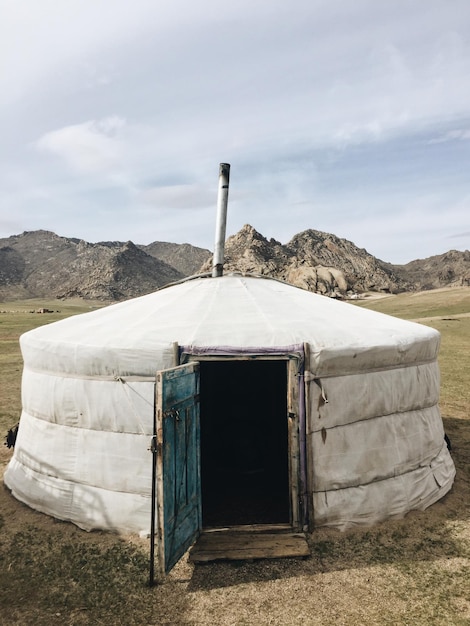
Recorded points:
(313, 260)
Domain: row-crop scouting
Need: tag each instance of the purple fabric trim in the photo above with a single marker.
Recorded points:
(303, 445)
(280, 350)
(233, 350)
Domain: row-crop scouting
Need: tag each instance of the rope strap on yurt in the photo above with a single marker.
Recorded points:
(127, 390)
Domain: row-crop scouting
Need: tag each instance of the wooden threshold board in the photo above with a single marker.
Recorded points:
(238, 546)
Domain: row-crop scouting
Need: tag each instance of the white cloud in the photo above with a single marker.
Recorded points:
(91, 146)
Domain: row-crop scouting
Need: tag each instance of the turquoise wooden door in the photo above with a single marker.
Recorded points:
(178, 462)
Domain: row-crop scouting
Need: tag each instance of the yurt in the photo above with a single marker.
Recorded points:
(262, 403)
(229, 401)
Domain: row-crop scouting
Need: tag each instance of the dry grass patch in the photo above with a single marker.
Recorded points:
(434, 303)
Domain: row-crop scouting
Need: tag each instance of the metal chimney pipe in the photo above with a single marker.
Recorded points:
(222, 200)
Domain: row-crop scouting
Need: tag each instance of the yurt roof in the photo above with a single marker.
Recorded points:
(232, 310)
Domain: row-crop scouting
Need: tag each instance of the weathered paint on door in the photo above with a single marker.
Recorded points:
(178, 462)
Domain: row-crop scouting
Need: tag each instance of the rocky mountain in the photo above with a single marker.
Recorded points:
(451, 269)
(43, 264)
(183, 257)
(313, 260)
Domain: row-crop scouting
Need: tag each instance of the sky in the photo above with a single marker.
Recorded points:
(350, 117)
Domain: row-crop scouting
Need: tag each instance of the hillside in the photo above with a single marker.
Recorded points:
(313, 260)
(451, 269)
(43, 264)
(184, 257)
(324, 263)
(40, 264)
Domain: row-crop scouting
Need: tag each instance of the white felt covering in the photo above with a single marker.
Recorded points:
(375, 447)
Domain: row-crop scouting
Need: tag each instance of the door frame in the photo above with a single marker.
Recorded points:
(294, 357)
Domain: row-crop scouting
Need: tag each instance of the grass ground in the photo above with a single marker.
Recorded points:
(17, 318)
(413, 571)
(448, 311)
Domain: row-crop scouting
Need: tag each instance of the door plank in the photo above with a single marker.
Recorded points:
(230, 545)
(178, 463)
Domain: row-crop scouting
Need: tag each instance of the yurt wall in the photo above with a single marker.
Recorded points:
(365, 439)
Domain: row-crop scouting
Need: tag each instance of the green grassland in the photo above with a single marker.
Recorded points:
(436, 303)
(17, 318)
(410, 571)
(448, 311)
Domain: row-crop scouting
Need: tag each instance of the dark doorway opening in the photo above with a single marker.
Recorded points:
(244, 442)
